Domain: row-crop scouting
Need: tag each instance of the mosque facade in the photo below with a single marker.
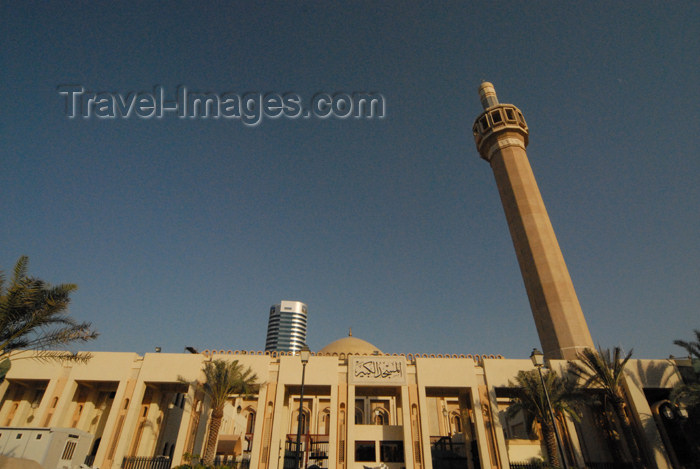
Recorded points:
(361, 408)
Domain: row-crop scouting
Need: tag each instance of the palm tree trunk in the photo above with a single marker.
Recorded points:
(619, 407)
(614, 443)
(212, 439)
(550, 444)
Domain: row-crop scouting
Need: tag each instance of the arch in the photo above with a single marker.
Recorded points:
(455, 423)
(380, 416)
(305, 421)
(325, 422)
(359, 416)
(250, 421)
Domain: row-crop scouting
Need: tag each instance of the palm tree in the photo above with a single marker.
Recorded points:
(687, 392)
(34, 316)
(532, 401)
(221, 379)
(693, 348)
(600, 370)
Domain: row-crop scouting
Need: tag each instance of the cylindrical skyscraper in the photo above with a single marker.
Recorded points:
(501, 136)
(286, 328)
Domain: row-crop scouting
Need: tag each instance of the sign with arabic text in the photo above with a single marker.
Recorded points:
(377, 370)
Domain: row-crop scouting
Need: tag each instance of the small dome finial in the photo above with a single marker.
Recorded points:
(487, 94)
(350, 332)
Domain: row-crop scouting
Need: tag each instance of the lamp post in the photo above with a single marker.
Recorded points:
(537, 358)
(304, 353)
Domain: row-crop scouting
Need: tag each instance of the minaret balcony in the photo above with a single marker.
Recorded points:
(496, 119)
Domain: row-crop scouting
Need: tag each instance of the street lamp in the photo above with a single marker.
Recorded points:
(304, 353)
(537, 358)
(446, 420)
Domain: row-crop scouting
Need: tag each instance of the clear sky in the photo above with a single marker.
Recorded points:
(183, 232)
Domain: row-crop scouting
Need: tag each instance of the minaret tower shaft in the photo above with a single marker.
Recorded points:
(501, 136)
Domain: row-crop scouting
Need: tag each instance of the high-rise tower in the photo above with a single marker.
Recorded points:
(286, 328)
(501, 136)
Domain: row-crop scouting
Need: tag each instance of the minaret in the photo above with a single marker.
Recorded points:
(501, 136)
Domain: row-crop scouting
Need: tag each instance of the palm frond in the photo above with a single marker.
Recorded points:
(686, 394)
(598, 369)
(693, 348)
(52, 355)
(223, 379)
(564, 396)
(34, 314)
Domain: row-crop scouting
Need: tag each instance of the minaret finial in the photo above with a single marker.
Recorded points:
(350, 332)
(487, 93)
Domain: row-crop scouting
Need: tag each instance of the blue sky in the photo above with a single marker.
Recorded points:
(183, 232)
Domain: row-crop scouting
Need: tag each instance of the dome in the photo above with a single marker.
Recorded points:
(352, 345)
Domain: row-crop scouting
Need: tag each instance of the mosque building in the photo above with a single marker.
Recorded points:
(361, 408)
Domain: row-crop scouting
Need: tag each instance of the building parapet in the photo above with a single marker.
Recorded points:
(410, 357)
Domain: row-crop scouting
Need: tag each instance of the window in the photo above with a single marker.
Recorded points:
(365, 451)
(250, 422)
(326, 420)
(305, 422)
(391, 451)
(483, 122)
(456, 424)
